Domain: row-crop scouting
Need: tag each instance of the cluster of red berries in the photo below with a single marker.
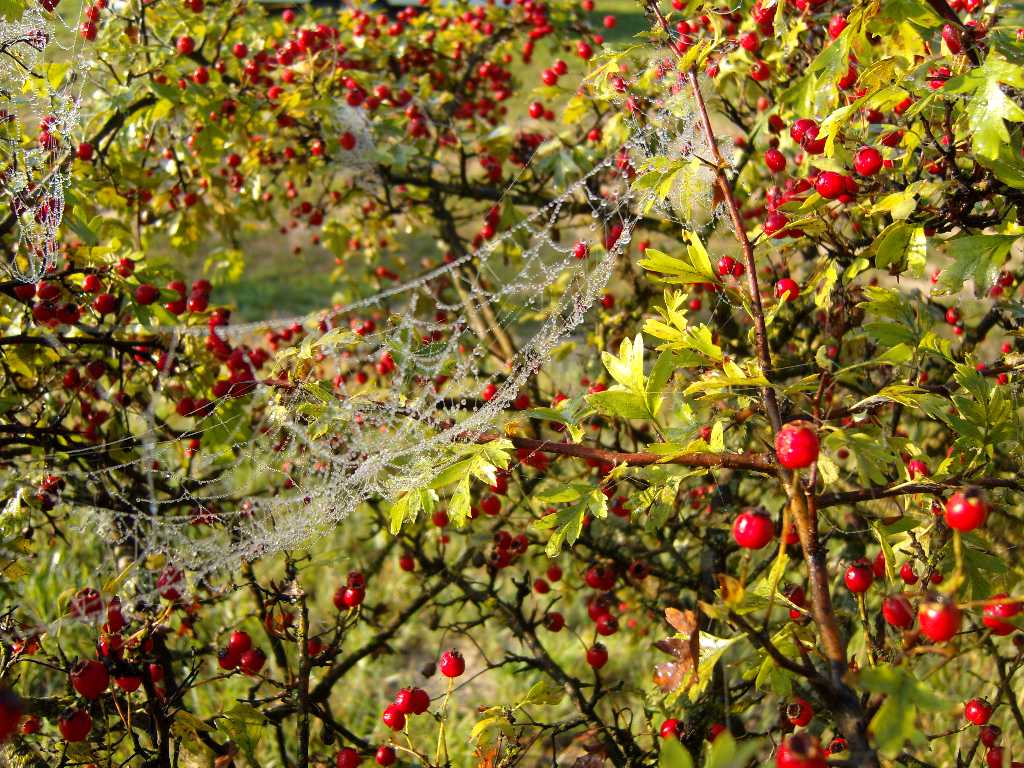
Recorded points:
(240, 654)
(352, 594)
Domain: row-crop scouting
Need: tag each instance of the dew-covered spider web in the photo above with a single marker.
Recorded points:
(371, 401)
(42, 73)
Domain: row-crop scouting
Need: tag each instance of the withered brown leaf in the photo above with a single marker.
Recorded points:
(684, 647)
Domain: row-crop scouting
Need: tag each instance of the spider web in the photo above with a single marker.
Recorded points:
(372, 400)
(42, 75)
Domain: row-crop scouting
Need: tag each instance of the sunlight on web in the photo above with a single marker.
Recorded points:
(372, 400)
(41, 88)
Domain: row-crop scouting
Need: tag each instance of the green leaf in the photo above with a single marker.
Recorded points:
(543, 692)
(901, 248)
(725, 752)
(407, 507)
(628, 368)
(987, 112)
(12, 9)
(895, 723)
(695, 267)
(618, 402)
(674, 755)
(977, 258)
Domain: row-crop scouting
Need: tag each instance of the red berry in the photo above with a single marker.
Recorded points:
(606, 625)
(995, 613)
(74, 725)
(775, 223)
(385, 755)
(252, 661)
(939, 619)
(966, 510)
(753, 530)
(554, 621)
(989, 735)
(951, 36)
(228, 659)
(830, 184)
(867, 161)
(775, 160)
(90, 678)
(977, 711)
(347, 758)
(412, 701)
(128, 683)
(185, 45)
(800, 712)
(787, 289)
(670, 729)
(32, 724)
(858, 576)
(907, 573)
(760, 71)
(836, 25)
(146, 294)
(796, 446)
(393, 717)
(452, 663)
(104, 304)
(898, 612)
(800, 750)
(597, 655)
(10, 715)
(239, 642)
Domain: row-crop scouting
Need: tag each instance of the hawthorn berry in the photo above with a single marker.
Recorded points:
(252, 661)
(799, 712)
(787, 289)
(671, 729)
(597, 656)
(796, 446)
(995, 613)
(554, 621)
(989, 735)
(966, 510)
(752, 529)
(977, 711)
(129, 683)
(774, 224)
(800, 750)
(829, 185)
(867, 161)
(11, 709)
(239, 642)
(452, 663)
(74, 724)
(385, 755)
(393, 717)
(90, 678)
(897, 611)
(347, 757)
(939, 619)
(858, 576)
(775, 160)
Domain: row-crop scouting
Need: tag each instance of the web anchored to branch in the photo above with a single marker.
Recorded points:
(42, 80)
(376, 400)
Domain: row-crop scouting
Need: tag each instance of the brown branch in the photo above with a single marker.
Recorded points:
(755, 462)
(904, 489)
